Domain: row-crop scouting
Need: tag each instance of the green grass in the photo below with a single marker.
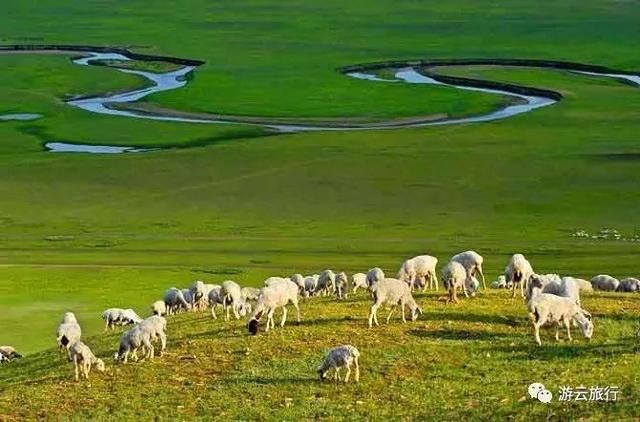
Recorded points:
(84, 232)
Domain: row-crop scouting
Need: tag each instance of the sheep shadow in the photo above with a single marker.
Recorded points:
(466, 317)
(461, 335)
(552, 350)
(266, 380)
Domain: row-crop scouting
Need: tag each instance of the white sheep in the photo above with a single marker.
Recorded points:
(339, 357)
(198, 298)
(299, 280)
(157, 326)
(83, 359)
(472, 263)
(274, 280)
(142, 336)
(278, 295)
(359, 280)
(310, 285)
(605, 282)
(175, 300)
(216, 297)
(9, 353)
(500, 283)
(159, 308)
(392, 292)
(518, 271)
(374, 275)
(341, 285)
(629, 284)
(326, 284)
(118, 316)
(553, 284)
(233, 299)
(584, 285)
(250, 294)
(68, 333)
(454, 276)
(419, 266)
(545, 307)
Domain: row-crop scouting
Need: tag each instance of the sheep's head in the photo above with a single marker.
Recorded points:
(322, 374)
(586, 325)
(253, 326)
(100, 365)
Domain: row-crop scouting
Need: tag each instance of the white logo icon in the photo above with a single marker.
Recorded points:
(538, 391)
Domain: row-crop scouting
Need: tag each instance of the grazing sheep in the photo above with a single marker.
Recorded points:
(83, 359)
(159, 308)
(233, 300)
(545, 307)
(8, 353)
(142, 335)
(584, 285)
(272, 297)
(339, 357)
(629, 284)
(174, 300)
(518, 271)
(359, 280)
(299, 280)
(197, 292)
(419, 266)
(68, 333)
(374, 275)
(216, 297)
(250, 294)
(500, 283)
(553, 284)
(118, 316)
(341, 285)
(392, 292)
(605, 282)
(454, 276)
(157, 326)
(472, 263)
(326, 284)
(310, 285)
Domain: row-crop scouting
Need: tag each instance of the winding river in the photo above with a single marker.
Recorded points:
(523, 99)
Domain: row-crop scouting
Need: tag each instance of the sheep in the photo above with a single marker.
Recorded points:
(553, 284)
(454, 276)
(69, 332)
(338, 357)
(216, 297)
(546, 307)
(472, 263)
(233, 300)
(421, 265)
(187, 294)
(500, 283)
(207, 290)
(518, 271)
(374, 275)
(118, 316)
(250, 294)
(393, 292)
(341, 285)
(584, 285)
(359, 280)
(274, 280)
(8, 353)
(310, 286)
(142, 335)
(159, 308)
(174, 300)
(83, 359)
(605, 282)
(326, 283)
(629, 284)
(272, 297)
(299, 280)
(197, 291)
(157, 325)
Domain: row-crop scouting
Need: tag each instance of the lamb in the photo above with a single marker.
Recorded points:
(119, 316)
(326, 284)
(272, 297)
(419, 266)
(175, 300)
(472, 263)
(83, 359)
(159, 308)
(359, 280)
(393, 292)
(338, 357)
(454, 276)
(629, 284)
(68, 333)
(216, 297)
(545, 307)
(500, 283)
(8, 353)
(197, 291)
(605, 282)
(233, 299)
(518, 271)
(374, 275)
(341, 285)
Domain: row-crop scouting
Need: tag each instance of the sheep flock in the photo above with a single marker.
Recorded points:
(550, 299)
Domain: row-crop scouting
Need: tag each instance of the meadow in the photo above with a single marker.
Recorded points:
(87, 232)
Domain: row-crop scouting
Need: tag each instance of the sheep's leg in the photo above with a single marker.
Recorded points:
(163, 342)
(269, 319)
(346, 376)
(393, 308)
(558, 331)
(226, 310)
(126, 356)
(522, 286)
(464, 289)
(536, 327)
(295, 304)
(435, 280)
(86, 367)
(568, 324)
(484, 284)
(357, 365)
(513, 288)
(213, 311)
(284, 316)
(336, 375)
(402, 310)
(75, 367)
(235, 311)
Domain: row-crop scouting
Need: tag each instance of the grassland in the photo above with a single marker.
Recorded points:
(86, 232)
